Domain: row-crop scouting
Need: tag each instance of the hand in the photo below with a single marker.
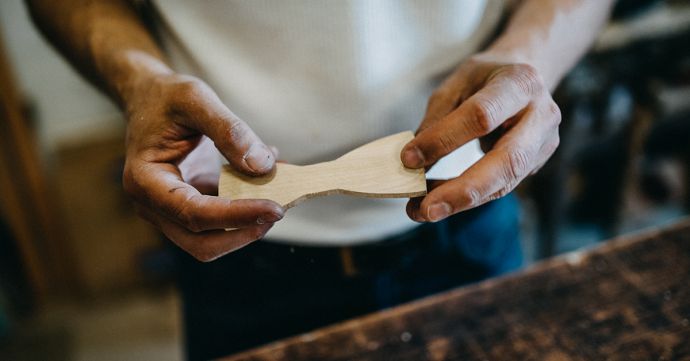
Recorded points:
(168, 116)
(505, 105)
(201, 167)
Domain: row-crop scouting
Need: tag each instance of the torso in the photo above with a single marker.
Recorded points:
(318, 78)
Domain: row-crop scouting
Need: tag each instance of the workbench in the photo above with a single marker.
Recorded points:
(628, 299)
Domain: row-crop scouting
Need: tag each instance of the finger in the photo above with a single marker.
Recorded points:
(487, 177)
(159, 186)
(210, 245)
(201, 109)
(412, 209)
(494, 175)
(413, 204)
(502, 98)
(454, 90)
(441, 102)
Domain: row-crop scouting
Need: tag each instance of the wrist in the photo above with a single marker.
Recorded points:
(124, 71)
(135, 70)
(118, 49)
(505, 50)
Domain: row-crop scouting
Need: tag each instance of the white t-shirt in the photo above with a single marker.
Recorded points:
(319, 78)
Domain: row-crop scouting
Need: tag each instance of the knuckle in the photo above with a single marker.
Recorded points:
(185, 94)
(497, 195)
(203, 255)
(527, 78)
(517, 165)
(187, 87)
(493, 197)
(200, 250)
(189, 217)
(235, 130)
(554, 112)
(510, 186)
(484, 111)
(470, 197)
(446, 142)
(204, 258)
(503, 192)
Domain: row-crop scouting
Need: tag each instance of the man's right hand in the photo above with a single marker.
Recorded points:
(168, 115)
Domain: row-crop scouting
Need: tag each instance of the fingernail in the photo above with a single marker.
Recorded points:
(270, 217)
(438, 211)
(259, 158)
(413, 158)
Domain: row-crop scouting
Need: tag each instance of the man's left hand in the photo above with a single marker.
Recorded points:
(505, 105)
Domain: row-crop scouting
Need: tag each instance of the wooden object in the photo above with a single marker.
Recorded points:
(372, 170)
(626, 300)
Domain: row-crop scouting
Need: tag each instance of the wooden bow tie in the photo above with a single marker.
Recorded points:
(372, 170)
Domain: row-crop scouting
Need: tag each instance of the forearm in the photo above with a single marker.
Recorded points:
(104, 40)
(551, 35)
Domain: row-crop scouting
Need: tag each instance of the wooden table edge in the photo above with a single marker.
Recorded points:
(571, 259)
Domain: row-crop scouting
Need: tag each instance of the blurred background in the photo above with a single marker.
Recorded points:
(82, 277)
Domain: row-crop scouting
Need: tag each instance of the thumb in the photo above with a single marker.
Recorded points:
(238, 143)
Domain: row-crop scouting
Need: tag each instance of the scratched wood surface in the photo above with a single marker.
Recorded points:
(372, 170)
(629, 299)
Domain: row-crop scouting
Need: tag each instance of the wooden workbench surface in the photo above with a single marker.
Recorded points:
(626, 300)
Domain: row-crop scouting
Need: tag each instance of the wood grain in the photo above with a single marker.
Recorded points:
(626, 300)
(372, 170)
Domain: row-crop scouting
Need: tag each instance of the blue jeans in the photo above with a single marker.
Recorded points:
(267, 291)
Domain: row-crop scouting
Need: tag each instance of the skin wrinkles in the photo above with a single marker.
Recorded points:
(501, 96)
(173, 122)
(176, 124)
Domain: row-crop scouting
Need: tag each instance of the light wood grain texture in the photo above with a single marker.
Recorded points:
(372, 170)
